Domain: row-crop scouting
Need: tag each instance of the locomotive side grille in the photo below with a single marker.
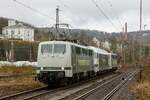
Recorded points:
(51, 68)
(67, 68)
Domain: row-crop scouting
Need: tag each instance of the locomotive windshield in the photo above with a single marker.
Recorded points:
(46, 48)
(59, 48)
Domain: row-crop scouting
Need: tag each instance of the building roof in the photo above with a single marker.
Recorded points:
(18, 26)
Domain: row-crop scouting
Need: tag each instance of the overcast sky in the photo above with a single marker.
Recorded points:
(80, 13)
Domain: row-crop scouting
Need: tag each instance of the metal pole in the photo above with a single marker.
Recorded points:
(126, 30)
(30, 46)
(124, 43)
(12, 48)
(123, 51)
(141, 8)
(57, 18)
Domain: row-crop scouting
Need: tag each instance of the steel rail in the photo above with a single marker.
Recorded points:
(43, 91)
(21, 93)
(64, 88)
(93, 90)
(111, 93)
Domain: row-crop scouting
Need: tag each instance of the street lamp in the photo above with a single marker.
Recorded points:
(12, 48)
(145, 27)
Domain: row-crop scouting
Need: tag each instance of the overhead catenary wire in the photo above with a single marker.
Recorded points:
(118, 19)
(62, 3)
(102, 12)
(35, 10)
(114, 12)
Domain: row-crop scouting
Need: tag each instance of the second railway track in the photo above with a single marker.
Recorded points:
(40, 96)
(40, 92)
(103, 91)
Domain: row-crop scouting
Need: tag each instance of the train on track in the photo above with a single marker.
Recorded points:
(60, 61)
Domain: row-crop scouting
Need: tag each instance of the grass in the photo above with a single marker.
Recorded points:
(13, 70)
(142, 88)
(147, 72)
(26, 80)
(17, 84)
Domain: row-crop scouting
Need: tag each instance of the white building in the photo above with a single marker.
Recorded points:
(18, 31)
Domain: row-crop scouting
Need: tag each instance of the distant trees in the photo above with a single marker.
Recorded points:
(130, 50)
(3, 23)
(41, 35)
(23, 50)
(82, 37)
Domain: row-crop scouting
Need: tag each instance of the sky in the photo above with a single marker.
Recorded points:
(80, 14)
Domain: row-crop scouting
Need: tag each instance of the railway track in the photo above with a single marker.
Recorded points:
(65, 88)
(119, 86)
(106, 90)
(23, 94)
(37, 93)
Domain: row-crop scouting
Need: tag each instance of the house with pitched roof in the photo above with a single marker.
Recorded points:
(18, 31)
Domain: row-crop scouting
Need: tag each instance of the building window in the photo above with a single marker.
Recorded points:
(12, 32)
(6, 32)
(18, 31)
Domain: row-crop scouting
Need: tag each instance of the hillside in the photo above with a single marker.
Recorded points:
(48, 33)
(144, 36)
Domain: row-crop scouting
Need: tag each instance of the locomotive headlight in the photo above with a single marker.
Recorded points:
(62, 68)
(41, 68)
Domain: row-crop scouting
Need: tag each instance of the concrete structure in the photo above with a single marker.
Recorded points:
(18, 31)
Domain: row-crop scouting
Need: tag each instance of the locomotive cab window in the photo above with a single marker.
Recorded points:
(46, 48)
(59, 48)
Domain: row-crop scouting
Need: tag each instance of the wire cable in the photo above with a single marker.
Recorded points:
(66, 6)
(33, 9)
(100, 9)
(118, 19)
